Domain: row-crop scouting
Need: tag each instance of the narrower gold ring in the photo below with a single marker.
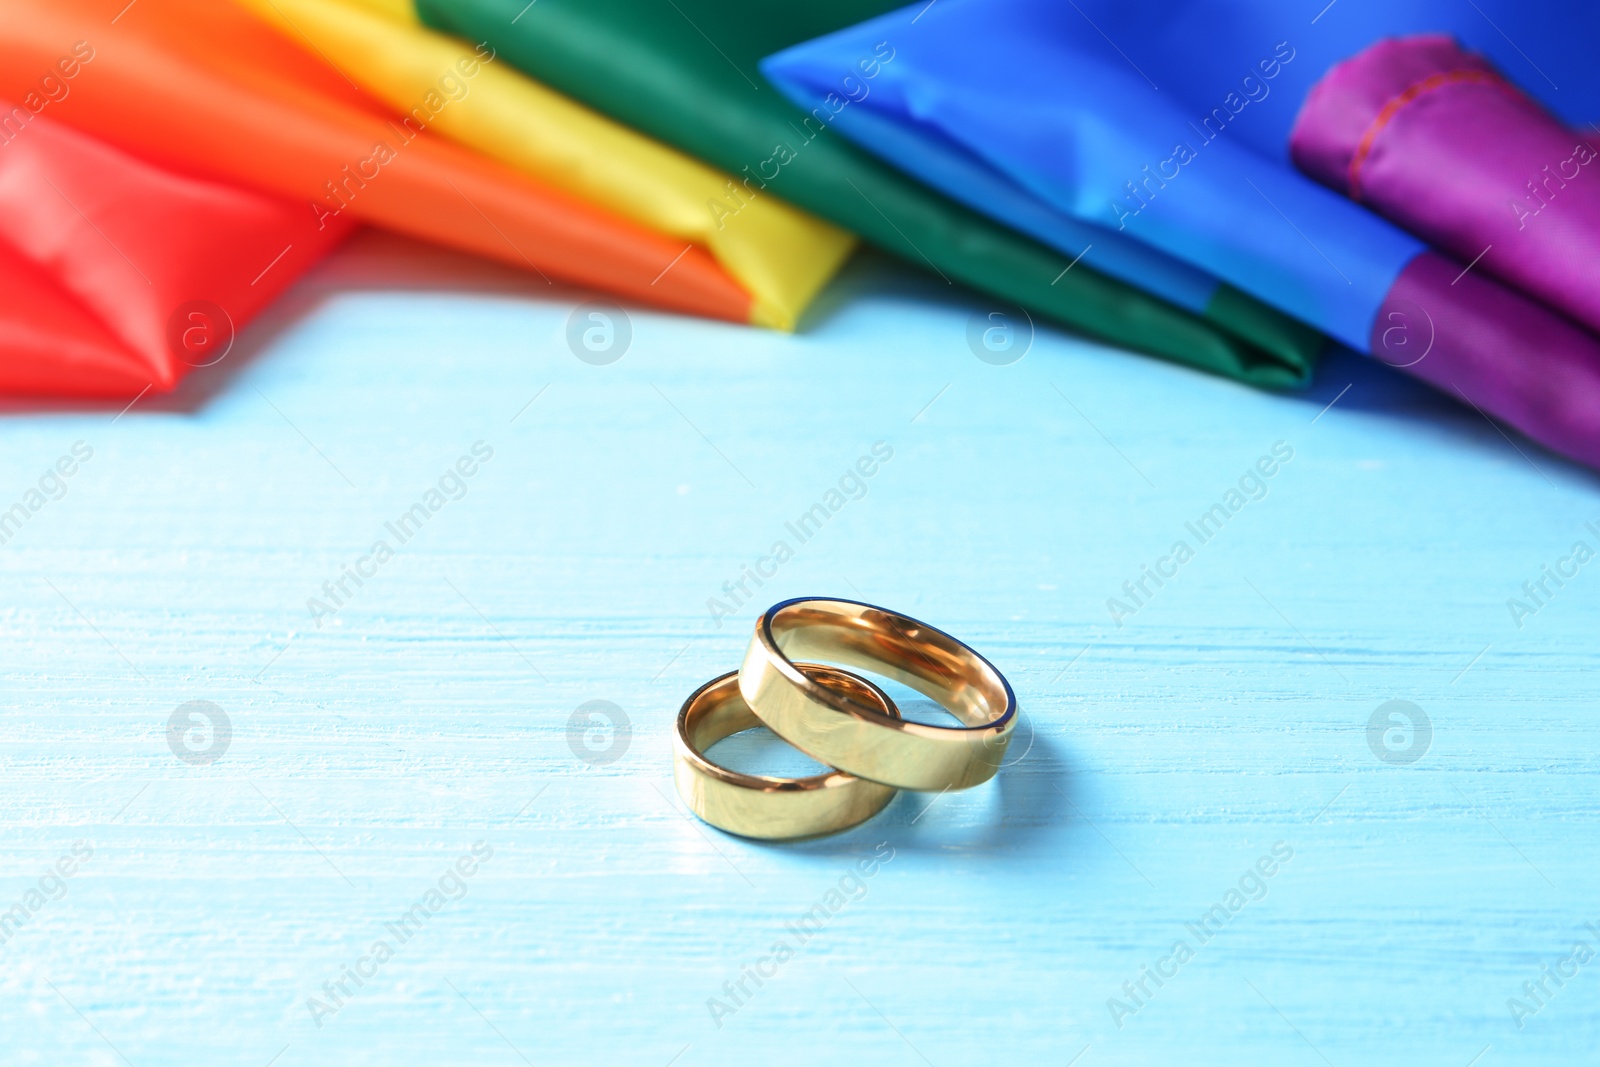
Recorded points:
(755, 805)
(856, 738)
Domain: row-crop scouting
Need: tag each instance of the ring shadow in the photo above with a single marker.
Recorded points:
(1032, 796)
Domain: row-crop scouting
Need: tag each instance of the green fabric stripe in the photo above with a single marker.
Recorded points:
(685, 71)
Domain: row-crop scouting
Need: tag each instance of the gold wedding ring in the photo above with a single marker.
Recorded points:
(844, 732)
(759, 806)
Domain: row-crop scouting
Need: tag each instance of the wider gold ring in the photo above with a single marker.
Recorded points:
(857, 738)
(754, 805)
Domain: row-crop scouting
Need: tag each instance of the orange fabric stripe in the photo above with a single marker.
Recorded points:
(205, 87)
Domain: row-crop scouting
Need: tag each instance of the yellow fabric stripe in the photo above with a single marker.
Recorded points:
(780, 254)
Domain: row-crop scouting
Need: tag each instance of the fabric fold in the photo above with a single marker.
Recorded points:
(781, 255)
(649, 64)
(51, 346)
(963, 176)
(1436, 140)
(1477, 340)
(1087, 136)
(207, 88)
(120, 276)
(1092, 133)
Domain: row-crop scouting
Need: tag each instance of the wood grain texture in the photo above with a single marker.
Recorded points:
(1168, 754)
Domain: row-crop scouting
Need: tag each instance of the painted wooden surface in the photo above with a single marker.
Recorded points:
(1227, 716)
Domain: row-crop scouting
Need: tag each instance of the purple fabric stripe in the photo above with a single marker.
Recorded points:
(1471, 166)
(1480, 341)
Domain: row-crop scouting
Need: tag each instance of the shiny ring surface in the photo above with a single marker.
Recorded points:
(761, 806)
(858, 738)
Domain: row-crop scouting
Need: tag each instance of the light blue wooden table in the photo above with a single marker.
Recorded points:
(1431, 873)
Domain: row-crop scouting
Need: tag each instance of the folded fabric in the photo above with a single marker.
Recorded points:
(51, 346)
(686, 72)
(1436, 140)
(208, 88)
(1483, 342)
(1085, 128)
(965, 177)
(117, 276)
(782, 256)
